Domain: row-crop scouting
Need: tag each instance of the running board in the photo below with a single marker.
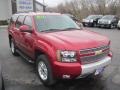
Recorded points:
(24, 56)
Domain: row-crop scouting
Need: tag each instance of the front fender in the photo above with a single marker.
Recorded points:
(47, 49)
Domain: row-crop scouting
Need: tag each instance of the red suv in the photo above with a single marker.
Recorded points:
(58, 46)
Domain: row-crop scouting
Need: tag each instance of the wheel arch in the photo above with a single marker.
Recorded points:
(10, 37)
(39, 52)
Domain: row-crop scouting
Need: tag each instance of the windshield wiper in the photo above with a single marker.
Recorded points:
(72, 29)
(50, 30)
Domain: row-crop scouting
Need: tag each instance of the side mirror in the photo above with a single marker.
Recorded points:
(25, 28)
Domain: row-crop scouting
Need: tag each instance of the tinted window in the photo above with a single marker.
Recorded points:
(94, 16)
(109, 17)
(58, 22)
(20, 21)
(116, 18)
(28, 21)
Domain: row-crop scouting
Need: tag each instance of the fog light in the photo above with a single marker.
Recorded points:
(66, 76)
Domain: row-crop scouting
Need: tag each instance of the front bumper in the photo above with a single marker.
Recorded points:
(104, 25)
(76, 70)
(87, 23)
(91, 68)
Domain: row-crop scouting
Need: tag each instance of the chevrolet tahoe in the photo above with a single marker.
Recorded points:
(58, 46)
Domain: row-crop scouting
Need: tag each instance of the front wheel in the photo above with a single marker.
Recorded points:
(118, 28)
(44, 70)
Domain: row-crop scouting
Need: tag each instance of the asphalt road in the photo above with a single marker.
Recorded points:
(20, 75)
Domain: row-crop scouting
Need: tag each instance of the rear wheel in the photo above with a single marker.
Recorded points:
(44, 70)
(112, 26)
(13, 47)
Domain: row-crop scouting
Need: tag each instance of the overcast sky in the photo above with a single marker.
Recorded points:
(52, 3)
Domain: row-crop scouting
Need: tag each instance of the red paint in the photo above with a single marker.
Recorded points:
(50, 42)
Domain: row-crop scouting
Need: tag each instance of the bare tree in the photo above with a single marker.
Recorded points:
(82, 8)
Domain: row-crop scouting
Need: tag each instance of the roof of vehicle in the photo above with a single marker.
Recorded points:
(38, 13)
(95, 15)
(109, 15)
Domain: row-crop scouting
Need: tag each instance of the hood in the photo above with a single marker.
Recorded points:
(105, 21)
(76, 39)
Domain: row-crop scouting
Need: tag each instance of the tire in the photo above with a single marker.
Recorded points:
(118, 28)
(112, 26)
(94, 24)
(99, 26)
(95, 77)
(13, 48)
(84, 25)
(1, 79)
(44, 70)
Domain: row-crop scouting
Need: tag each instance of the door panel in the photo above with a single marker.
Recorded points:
(27, 42)
(17, 35)
(27, 38)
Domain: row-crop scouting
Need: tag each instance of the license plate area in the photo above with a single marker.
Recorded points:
(99, 71)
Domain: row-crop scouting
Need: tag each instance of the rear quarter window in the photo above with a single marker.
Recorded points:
(14, 18)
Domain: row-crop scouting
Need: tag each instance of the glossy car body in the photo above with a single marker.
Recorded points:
(118, 25)
(109, 21)
(92, 50)
(91, 20)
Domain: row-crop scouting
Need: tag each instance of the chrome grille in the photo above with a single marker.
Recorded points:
(93, 58)
(86, 51)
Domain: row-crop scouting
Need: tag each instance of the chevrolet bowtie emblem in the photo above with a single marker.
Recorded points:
(98, 52)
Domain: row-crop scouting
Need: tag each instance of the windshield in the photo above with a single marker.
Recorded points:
(108, 17)
(54, 22)
(92, 17)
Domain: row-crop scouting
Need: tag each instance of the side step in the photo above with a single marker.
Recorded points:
(24, 56)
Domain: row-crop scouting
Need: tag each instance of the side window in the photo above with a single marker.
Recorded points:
(19, 21)
(13, 19)
(28, 21)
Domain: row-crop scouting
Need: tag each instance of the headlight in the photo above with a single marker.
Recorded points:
(66, 56)
(91, 20)
(109, 22)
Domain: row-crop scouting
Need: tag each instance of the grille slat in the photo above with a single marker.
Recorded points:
(93, 58)
(86, 51)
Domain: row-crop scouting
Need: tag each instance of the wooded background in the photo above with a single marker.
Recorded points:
(83, 8)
